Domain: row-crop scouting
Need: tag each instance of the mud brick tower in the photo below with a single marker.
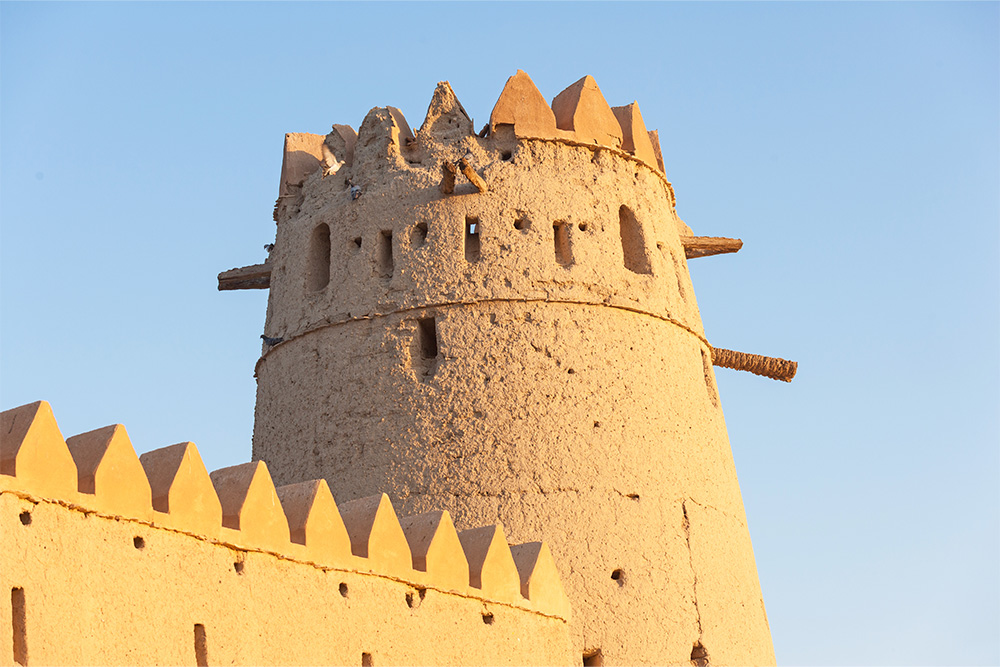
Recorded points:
(502, 324)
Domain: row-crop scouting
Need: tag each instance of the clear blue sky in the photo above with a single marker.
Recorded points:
(853, 146)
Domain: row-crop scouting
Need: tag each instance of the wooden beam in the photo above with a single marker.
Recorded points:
(471, 174)
(769, 367)
(703, 246)
(257, 276)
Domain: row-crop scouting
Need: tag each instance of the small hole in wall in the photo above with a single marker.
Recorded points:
(138, 542)
(522, 223)
(414, 598)
(366, 660)
(699, 656)
(357, 243)
(25, 518)
(571, 371)
(634, 496)
(582, 226)
(593, 658)
(343, 590)
(597, 424)
(619, 576)
(419, 235)
(238, 566)
(488, 618)
(507, 156)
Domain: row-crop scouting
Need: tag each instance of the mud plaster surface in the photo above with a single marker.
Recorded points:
(91, 597)
(569, 400)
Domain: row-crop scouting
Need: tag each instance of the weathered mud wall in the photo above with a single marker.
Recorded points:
(521, 346)
(111, 560)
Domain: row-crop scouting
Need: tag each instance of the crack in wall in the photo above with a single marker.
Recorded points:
(687, 538)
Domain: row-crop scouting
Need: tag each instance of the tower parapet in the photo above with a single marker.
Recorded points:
(503, 325)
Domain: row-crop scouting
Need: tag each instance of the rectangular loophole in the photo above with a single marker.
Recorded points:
(366, 660)
(593, 658)
(19, 621)
(200, 646)
(560, 234)
(473, 245)
(424, 349)
(633, 242)
(427, 336)
(385, 264)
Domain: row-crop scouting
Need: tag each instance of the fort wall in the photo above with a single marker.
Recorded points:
(112, 559)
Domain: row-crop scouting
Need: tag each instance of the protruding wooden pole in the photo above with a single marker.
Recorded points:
(257, 276)
(769, 367)
(471, 174)
(703, 246)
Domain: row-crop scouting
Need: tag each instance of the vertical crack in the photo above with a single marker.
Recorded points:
(687, 537)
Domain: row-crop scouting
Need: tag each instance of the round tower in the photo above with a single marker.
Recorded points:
(503, 325)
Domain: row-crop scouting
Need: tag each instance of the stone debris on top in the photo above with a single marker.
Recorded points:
(170, 488)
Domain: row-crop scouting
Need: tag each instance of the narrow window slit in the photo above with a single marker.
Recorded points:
(366, 660)
(633, 242)
(427, 331)
(200, 646)
(424, 348)
(473, 244)
(678, 272)
(318, 267)
(385, 264)
(563, 251)
(19, 618)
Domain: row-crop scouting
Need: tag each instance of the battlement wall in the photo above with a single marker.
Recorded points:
(576, 215)
(111, 558)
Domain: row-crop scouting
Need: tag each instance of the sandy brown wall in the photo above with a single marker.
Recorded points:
(109, 559)
(91, 597)
(569, 392)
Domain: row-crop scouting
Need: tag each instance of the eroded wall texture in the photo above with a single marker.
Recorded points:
(503, 325)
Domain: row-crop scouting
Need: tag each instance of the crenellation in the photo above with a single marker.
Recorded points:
(250, 505)
(109, 469)
(240, 507)
(491, 566)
